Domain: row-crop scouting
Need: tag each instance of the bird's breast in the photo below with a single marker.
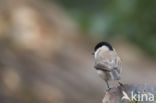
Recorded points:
(102, 74)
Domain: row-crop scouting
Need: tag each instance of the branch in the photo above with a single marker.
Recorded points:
(115, 95)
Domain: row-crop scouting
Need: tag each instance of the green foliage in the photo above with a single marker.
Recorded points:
(131, 19)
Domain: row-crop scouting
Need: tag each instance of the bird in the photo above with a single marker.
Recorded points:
(107, 63)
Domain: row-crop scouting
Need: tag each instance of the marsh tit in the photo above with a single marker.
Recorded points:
(107, 62)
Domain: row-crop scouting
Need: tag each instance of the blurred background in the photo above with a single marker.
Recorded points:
(46, 47)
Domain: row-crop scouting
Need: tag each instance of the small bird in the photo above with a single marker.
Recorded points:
(107, 62)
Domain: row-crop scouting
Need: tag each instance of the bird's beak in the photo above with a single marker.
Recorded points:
(93, 53)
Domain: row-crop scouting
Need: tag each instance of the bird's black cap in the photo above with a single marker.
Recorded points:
(100, 44)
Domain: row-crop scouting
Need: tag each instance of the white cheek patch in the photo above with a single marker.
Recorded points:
(103, 48)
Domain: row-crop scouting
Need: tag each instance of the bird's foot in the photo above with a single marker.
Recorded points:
(120, 84)
(108, 89)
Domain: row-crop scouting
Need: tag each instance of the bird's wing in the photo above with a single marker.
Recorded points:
(114, 64)
(108, 61)
(118, 64)
(115, 75)
(100, 66)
